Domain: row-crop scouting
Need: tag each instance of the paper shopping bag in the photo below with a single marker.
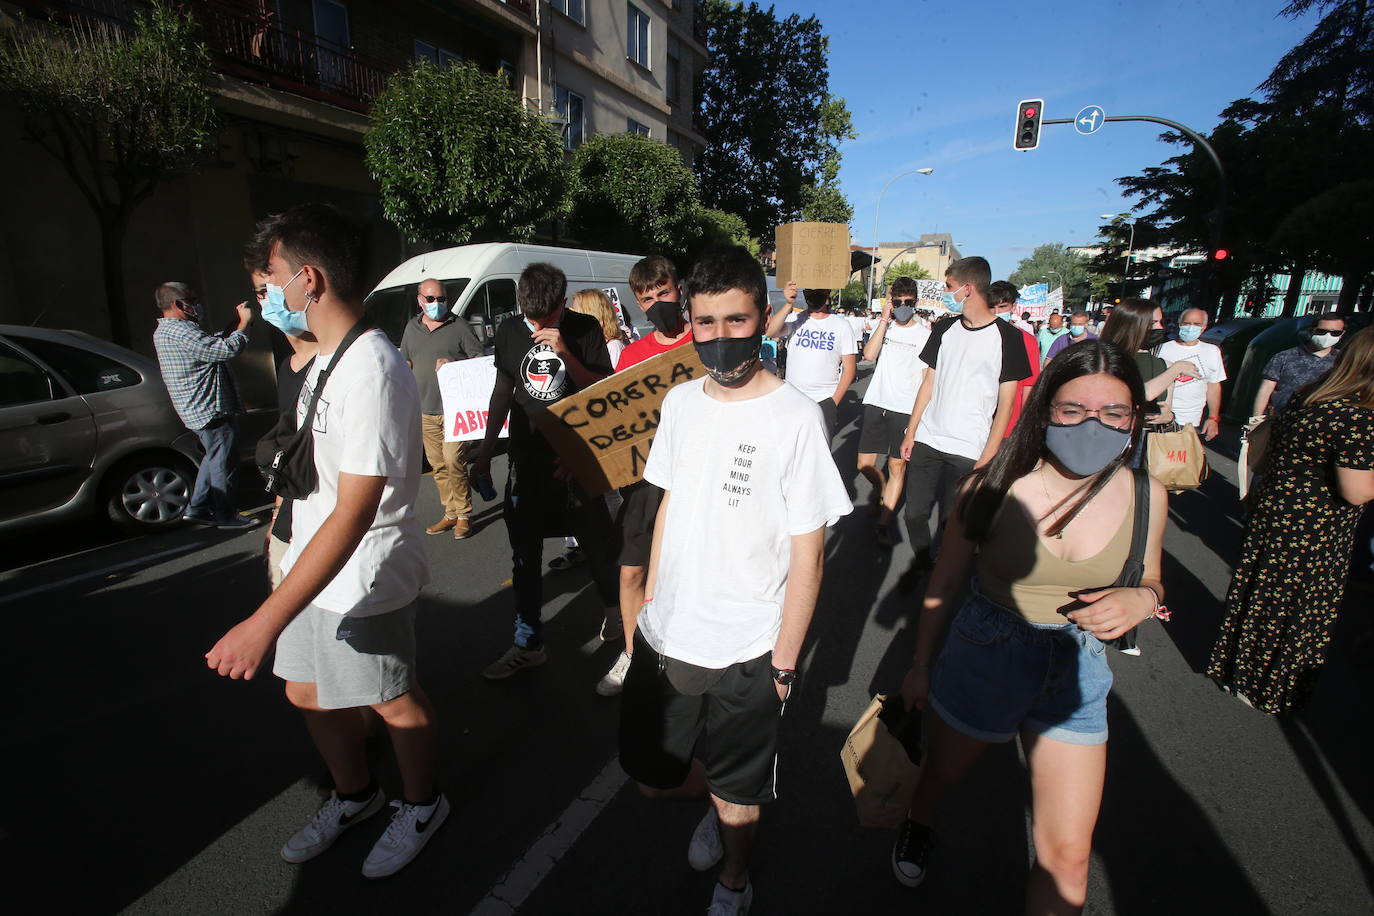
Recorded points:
(1176, 458)
(882, 758)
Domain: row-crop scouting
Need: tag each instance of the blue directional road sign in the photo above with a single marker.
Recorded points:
(1089, 120)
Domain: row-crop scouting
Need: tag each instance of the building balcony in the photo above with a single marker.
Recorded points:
(248, 44)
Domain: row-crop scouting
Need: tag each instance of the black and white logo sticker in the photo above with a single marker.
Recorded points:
(544, 373)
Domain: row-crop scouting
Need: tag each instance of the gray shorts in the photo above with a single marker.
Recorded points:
(352, 661)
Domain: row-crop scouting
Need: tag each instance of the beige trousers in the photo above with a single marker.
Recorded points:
(450, 467)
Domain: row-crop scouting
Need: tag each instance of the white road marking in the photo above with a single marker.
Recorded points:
(520, 881)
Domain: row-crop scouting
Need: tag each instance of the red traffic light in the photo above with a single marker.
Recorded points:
(1220, 254)
(1030, 112)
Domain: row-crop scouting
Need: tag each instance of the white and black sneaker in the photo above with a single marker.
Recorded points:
(334, 817)
(909, 852)
(705, 849)
(410, 829)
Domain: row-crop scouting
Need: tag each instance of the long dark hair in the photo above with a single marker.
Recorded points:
(1129, 324)
(1025, 447)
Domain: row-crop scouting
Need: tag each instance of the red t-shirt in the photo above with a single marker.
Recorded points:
(1023, 388)
(646, 347)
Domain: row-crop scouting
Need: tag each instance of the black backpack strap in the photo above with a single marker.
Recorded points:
(353, 334)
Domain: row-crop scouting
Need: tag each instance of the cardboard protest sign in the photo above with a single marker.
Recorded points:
(603, 433)
(466, 387)
(814, 255)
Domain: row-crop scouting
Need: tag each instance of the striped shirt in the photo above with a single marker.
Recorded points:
(196, 372)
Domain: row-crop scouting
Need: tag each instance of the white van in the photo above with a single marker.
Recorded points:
(480, 280)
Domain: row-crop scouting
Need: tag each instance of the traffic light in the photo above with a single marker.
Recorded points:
(1220, 254)
(1028, 116)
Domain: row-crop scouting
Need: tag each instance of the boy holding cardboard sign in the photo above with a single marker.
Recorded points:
(656, 288)
(749, 489)
(549, 354)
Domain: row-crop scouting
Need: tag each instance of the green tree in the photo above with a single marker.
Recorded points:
(1066, 265)
(1310, 133)
(772, 127)
(459, 159)
(716, 227)
(120, 111)
(907, 268)
(630, 193)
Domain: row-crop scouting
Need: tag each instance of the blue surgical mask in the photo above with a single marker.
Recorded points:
(436, 311)
(954, 305)
(275, 312)
(1189, 332)
(1006, 316)
(1078, 330)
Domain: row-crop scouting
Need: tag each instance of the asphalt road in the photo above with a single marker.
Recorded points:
(137, 781)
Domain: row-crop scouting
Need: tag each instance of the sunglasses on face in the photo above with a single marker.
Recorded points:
(901, 302)
(440, 299)
(1334, 332)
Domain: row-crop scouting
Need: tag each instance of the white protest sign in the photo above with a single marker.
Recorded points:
(465, 386)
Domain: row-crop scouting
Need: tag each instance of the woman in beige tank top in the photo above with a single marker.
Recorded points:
(1045, 527)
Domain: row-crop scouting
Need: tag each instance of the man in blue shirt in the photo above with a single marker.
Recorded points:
(195, 369)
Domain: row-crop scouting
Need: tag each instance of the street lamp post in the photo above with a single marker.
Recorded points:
(877, 215)
(1130, 246)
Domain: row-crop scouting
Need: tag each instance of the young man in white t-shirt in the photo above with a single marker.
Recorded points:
(749, 489)
(821, 353)
(342, 622)
(964, 405)
(1194, 394)
(896, 345)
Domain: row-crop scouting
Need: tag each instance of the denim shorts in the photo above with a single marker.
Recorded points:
(998, 673)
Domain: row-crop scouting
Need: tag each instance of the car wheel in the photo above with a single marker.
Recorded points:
(149, 494)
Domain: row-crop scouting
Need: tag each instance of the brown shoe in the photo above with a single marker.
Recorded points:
(461, 529)
(441, 526)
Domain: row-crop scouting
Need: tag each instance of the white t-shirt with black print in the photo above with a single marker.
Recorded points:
(742, 478)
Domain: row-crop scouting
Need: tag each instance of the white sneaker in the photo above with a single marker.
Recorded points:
(515, 659)
(334, 817)
(410, 829)
(705, 849)
(725, 902)
(614, 681)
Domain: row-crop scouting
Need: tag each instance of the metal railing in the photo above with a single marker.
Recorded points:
(252, 46)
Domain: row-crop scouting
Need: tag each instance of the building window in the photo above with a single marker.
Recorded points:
(570, 8)
(635, 127)
(569, 105)
(673, 75)
(434, 54)
(637, 35)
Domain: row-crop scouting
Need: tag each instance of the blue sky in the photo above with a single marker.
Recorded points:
(935, 84)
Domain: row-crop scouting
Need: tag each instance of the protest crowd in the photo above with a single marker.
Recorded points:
(1030, 464)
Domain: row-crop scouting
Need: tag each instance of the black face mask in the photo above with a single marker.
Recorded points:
(666, 317)
(1156, 337)
(729, 359)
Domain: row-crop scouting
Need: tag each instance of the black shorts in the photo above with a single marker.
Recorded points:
(830, 411)
(882, 431)
(634, 522)
(672, 712)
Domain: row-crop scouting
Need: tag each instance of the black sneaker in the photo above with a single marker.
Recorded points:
(920, 565)
(914, 842)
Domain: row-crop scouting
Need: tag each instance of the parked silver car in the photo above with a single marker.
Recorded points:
(87, 429)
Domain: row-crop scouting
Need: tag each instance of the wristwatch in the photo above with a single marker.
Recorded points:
(785, 676)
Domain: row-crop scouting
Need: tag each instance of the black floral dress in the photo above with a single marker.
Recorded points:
(1288, 586)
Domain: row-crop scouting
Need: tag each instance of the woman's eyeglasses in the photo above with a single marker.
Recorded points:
(1067, 413)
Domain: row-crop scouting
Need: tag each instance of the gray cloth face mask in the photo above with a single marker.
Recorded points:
(1088, 447)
